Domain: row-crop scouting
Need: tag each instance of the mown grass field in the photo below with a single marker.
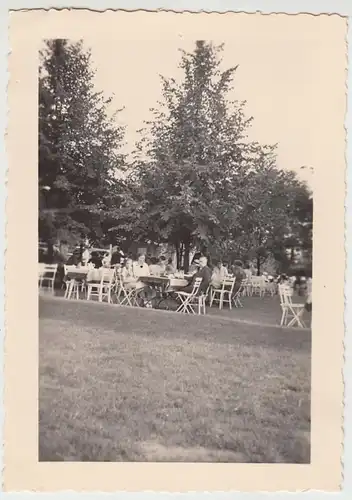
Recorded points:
(127, 384)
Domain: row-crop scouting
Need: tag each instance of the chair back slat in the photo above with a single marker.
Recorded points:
(107, 276)
(196, 285)
(48, 271)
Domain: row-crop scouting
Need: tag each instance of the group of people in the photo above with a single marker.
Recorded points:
(132, 270)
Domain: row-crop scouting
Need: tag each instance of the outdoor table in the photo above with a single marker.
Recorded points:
(83, 273)
(95, 275)
(73, 275)
(162, 285)
(77, 273)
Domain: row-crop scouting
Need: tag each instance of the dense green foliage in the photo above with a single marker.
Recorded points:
(78, 146)
(196, 180)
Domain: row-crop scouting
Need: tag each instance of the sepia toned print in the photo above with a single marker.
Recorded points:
(177, 249)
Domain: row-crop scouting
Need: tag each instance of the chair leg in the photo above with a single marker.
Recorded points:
(283, 317)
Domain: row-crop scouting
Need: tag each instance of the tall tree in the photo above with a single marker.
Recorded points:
(79, 144)
(191, 187)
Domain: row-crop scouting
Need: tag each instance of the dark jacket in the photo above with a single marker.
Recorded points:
(205, 274)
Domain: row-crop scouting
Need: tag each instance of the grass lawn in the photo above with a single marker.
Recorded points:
(127, 384)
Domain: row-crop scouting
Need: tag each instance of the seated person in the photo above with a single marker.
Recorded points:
(96, 260)
(203, 272)
(218, 275)
(128, 277)
(170, 268)
(140, 267)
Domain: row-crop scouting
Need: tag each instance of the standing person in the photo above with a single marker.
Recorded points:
(239, 274)
(308, 304)
(96, 260)
(116, 256)
(226, 268)
(64, 250)
(170, 268)
(248, 271)
(162, 264)
(140, 267)
(218, 275)
(107, 260)
(85, 255)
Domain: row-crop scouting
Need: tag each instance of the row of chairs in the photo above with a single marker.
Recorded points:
(111, 282)
(258, 286)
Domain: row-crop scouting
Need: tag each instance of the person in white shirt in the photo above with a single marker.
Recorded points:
(85, 256)
(140, 267)
(248, 272)
(107, 259)
(218, 275)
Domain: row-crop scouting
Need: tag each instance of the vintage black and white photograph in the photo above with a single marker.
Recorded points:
(175, 245)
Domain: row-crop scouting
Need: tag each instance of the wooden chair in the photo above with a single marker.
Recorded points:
(103, 289)
(224, 293)
(191, 299)
(292, 312)
(47, 275)
(125, 294)
(258, 286)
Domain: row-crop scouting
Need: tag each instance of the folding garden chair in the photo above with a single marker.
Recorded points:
(292, 312)
(191, 299)
(47, 275)
(236, 299)
(258, 285)
(224, 293)
(126, 295)
(103, 288)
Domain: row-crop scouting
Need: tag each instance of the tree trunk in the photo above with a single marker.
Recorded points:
(181, 255)
(292, 258)
(258, 266)
(50, 253)
(187, 247)
(178, 255)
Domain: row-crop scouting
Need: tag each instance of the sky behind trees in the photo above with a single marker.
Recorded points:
(290, 79)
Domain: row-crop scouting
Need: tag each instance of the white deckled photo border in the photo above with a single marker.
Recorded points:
(344, 8)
